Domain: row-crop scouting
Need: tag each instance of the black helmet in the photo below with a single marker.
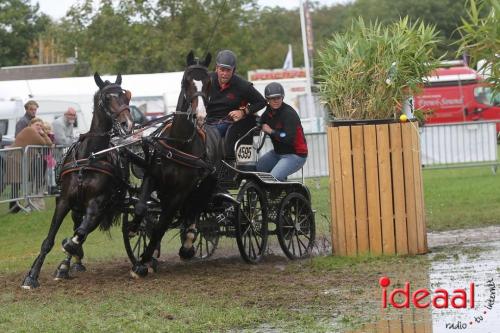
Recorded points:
(274, 89)
(226, 59)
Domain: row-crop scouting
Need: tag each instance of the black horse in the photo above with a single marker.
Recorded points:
(181, 167)
(92, 187)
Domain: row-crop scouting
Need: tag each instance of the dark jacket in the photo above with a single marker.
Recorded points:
(288, 136)
(237, 93)
(22, 123)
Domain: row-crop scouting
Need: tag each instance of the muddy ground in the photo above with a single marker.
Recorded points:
(341, 293)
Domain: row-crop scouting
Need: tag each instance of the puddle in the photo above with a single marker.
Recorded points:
(451, 268)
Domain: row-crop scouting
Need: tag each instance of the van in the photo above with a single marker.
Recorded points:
(457, 93)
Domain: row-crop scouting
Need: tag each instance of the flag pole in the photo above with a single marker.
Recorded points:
(309, 100)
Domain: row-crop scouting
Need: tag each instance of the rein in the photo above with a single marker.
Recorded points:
(182, 141)
(180, 157)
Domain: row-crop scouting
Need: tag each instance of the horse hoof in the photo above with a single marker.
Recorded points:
(30, 283)
(186, 254)
(72, 248)
(153, 266)
(78, 268)
(62, 271)
(139, 271)
(61, 274)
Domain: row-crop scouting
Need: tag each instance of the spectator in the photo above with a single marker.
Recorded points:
(47, 128)
(50, 161)
(64, 128)
(231, 96)
(282, 123)
(2, 168)
(30, 107)
(31, 135)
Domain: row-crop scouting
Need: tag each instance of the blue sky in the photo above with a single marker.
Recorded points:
(58, 8)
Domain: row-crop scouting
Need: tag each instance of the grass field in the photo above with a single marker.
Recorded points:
(454, 199)
(110, 301)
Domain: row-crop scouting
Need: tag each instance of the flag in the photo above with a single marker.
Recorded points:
(288, 64)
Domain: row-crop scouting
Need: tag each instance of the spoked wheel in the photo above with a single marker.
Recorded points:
(208, 235)
(137, 239)
(296, 228)
(251, 223)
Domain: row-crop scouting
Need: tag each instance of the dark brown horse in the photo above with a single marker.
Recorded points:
(181, 168)
(92, 186)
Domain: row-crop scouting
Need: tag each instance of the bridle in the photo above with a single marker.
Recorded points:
(197, 94)
(189, 112)
(113, 90)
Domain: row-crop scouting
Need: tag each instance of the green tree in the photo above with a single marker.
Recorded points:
(480, 33)
(445, 15)
(19, 25)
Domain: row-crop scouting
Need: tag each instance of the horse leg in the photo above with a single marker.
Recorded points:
(187, 250)
(141, 207)
(77, 266)
(74, 246)
(159, 229)
(31, 279)
(197, 203)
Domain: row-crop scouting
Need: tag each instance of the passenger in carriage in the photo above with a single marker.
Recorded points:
(232, 98)
(282, 123)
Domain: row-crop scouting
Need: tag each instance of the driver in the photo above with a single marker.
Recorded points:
(231, 96)
(282, 123)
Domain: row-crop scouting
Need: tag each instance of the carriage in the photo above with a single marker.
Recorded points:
(248, 205)
(231, 199)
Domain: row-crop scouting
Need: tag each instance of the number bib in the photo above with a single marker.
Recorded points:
(246, 154)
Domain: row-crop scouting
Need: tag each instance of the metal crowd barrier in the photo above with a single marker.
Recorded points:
(454, 145)
(11, 174)
(28, 173)
(317, 158)
(459, 145)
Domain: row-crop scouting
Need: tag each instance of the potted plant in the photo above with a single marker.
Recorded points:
(366, 74)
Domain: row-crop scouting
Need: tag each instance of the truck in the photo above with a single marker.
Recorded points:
(456, 93)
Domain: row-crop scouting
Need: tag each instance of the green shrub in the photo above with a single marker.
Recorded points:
(366, 72)
(481, 37)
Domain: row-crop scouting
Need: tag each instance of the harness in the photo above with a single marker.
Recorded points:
(163, 144)
(98, 164)
(88, 164)
(178, 156)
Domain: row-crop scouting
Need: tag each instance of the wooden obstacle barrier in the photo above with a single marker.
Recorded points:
(376, 188)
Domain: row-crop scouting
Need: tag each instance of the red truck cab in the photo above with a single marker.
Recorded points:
(457, 93)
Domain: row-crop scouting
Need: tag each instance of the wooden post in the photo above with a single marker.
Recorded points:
(376, 188)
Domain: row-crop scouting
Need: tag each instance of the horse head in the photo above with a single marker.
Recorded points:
(112, 102)
(196, 86)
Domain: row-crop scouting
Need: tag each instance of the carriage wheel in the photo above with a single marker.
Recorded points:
(136, 242)
(208, 235)
(251, 223)
(296, 228)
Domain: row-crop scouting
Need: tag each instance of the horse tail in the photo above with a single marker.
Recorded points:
(111, 218)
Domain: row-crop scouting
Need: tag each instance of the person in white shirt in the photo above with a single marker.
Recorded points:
(63, 128)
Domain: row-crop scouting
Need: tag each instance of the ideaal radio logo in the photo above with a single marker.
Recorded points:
(461, 298)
